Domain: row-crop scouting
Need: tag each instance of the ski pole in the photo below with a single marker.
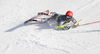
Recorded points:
(88, 23)
(80, 20)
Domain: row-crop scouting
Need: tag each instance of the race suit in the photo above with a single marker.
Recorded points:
(60, 19)
(63, 24)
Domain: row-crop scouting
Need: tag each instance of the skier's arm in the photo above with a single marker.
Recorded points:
(61, 22)
(62, 25)
(75, 22)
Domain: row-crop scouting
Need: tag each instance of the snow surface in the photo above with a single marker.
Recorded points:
(15, 38)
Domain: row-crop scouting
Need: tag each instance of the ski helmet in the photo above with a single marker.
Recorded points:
(69, 13)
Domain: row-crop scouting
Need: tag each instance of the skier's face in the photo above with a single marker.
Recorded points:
(67, 19)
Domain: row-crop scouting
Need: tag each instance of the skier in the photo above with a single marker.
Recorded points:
(63, 21)
(66, 21)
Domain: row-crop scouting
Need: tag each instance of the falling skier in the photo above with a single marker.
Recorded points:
(63, 21)
(66, 21)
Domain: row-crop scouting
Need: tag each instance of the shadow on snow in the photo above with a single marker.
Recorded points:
(41, 26)
(88, 31)
(93, 31)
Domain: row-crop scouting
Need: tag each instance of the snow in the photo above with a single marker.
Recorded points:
(15, 38)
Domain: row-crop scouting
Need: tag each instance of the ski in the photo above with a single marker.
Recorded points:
(38, 18)
(29, 21)
(32, 19)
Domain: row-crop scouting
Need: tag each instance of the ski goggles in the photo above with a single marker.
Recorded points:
(68, 17)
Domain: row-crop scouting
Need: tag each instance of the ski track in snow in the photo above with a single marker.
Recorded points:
(16, 38)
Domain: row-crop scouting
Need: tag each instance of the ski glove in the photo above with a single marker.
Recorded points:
(60, 27)
(63, 27)
(76, 23)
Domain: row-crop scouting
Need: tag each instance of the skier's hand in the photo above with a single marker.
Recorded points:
(60, 27)
(76, 23)
(63, 27)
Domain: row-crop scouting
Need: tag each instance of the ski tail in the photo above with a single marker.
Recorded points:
(29, 21)
(33, 18)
